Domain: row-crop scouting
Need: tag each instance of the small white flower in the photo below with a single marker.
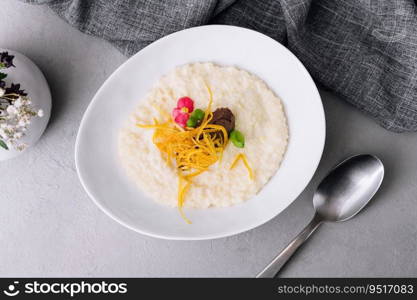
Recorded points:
(11, 110)
(17, 135)
(2, 91)
(18, 103)
(15, 121)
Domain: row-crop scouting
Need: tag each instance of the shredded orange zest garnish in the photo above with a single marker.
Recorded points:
(245, 162)
(181, 191)
(237, 157)
(194, 150)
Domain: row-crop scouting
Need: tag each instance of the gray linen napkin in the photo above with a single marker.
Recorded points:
(363, 50)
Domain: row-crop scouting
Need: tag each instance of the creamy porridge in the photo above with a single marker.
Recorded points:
(258, 116)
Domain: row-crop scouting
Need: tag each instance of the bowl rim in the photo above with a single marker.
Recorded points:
(242, 229)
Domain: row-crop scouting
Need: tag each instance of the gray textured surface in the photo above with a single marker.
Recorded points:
(49, 227)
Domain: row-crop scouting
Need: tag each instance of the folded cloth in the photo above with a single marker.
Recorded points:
(363, 50)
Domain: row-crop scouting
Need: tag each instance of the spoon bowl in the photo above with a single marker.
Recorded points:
(348, 188)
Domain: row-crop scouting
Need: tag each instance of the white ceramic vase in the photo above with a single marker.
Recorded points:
(34, 83)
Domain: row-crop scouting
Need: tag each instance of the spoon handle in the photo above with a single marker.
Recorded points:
(279, 261)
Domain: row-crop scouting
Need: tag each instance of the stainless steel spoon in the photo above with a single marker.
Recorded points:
(339, 197)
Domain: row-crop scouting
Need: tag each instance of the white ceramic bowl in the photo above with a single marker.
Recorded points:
(96, 154)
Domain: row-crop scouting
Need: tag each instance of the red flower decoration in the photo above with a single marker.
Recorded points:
(181, 113)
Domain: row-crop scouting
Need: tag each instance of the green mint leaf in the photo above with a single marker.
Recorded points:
(237, 138)
(2, 75)
(3, 145)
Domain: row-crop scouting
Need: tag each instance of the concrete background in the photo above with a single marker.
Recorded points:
(49, 227)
